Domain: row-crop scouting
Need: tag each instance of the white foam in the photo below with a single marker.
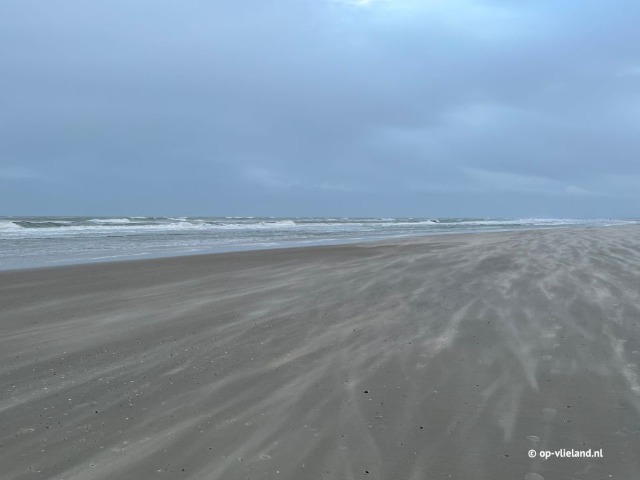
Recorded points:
(256, 225)
(8, 225)
(408, 224)
(280, 223)
(110, 220)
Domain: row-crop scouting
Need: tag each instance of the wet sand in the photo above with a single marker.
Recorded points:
(440, 357)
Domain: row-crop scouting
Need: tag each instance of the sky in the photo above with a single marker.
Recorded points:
(489, 108)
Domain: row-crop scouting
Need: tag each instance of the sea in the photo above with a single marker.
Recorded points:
(29, 242)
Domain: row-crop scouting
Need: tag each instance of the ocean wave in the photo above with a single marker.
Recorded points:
(111, 220)
(42, 223)
(130, 226)
(8, 225)
(256, 225)
(51, 227)
(280, 223)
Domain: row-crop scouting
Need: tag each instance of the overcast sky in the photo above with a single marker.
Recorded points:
(320, 107)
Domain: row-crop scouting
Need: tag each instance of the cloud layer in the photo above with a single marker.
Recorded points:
(312, 107)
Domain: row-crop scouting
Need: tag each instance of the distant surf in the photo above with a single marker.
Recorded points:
(41, 241)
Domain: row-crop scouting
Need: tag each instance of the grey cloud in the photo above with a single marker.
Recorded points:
(312, 106)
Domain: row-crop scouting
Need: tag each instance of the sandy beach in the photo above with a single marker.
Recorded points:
(425, 358)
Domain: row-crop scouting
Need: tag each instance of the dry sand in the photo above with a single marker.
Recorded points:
(433, 358)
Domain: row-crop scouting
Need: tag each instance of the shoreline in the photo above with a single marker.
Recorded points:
(303, 245)
(443, 356)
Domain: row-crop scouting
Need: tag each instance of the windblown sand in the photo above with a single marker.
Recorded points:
(432, 358)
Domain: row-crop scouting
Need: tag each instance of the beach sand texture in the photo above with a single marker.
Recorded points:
(425, 358)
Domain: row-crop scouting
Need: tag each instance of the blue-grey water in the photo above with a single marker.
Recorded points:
(47, 241)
